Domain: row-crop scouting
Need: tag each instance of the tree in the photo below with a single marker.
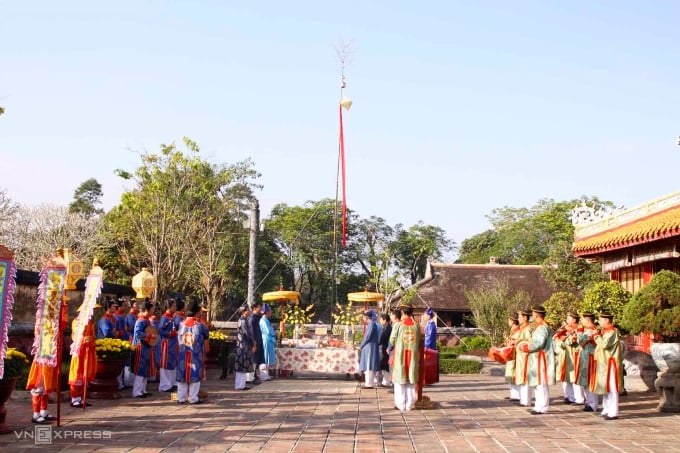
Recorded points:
(34, 233)
(86, 198)
(558, 305)
(543, 235)
(491, 305)
(413, 247)
(656, 308)
(2, 110)
(8, 210)
(606, 297)
(181, 219)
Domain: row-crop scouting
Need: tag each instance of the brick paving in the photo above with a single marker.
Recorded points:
(336, 415)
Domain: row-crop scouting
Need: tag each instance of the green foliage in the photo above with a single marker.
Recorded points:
(541, 235)
(605, 297)
(86, 198)
(491, 304)
(476, 343)
(656, 307)
(414, 246)
(557, 306)
(459, 366)
(448, 355)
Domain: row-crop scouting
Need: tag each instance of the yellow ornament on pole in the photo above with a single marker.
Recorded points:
(74, 268)
(346, 102)
(144, 284)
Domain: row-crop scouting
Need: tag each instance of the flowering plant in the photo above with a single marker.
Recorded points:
(16, 363)
(295, 314)
(347, 315)
(217, 336)
(112, 349)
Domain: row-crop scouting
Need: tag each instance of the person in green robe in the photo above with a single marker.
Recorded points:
(566, 351)
(608, 360)
(541, 361)
(585, 362)
(405, 339)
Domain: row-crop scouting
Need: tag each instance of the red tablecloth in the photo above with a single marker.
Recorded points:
(318, 360)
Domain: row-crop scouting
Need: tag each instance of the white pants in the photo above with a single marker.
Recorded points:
(579, 394)
(591, 400)
(129, 378)
(166, 379)
(610, 400)
(250, 377)
(369, 378)
(542, 395)
(239, 380)
(524, 394)
(139, 386)
(264, 372)
(405, 396)
(514, 391)
(386, 378)
(192, 389)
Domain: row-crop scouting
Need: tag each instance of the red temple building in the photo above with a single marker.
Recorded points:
(632, 244)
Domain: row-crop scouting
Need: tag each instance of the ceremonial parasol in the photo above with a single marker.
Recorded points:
(281, 296)
(365, 296)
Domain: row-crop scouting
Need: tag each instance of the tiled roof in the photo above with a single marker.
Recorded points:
(660, 225)
(444, 289)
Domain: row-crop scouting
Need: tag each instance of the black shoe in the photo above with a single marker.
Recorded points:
(198, 402)
(143, 395)
(49, 417)
(40, 420)
(607, 417)
(180, 402)
(588, 409)
(567, 401)
(256, 382)
(244, 388)
(147, 394)
(533, 412)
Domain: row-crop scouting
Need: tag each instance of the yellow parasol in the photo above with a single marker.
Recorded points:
(365, 296)
(282, 296)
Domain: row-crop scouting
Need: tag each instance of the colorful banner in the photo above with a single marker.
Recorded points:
(47, 322)
(8, 272)
(93, 289)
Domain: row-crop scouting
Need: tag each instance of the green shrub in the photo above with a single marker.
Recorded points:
(459, 349)
(459, 366)
(448, 355)
(476, 342)
(447, 349)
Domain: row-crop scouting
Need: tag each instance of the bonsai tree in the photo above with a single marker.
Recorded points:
(656, 308)
(557, 306)
(606, 297)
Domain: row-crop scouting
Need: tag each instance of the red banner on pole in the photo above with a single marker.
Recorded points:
(344, 193)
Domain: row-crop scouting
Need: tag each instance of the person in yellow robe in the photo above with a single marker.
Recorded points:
(522, 358)
(566, 351)
(608, 364)
(83, 364)
(511, 340)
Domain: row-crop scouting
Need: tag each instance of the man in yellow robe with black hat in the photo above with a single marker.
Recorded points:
(520, 374)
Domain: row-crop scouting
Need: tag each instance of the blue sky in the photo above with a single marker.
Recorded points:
(459, 107)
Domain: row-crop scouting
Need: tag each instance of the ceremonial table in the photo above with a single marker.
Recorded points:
(318, 360)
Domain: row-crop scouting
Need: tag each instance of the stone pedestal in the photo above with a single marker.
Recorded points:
(668, 387)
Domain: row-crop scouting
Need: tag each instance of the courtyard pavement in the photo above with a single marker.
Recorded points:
(336, 415)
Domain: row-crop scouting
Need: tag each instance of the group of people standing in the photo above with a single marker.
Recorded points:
(255, 342)
(587, 359)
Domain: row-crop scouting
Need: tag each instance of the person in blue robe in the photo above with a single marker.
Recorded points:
(370, 353)
(193, 336)
(144, 355)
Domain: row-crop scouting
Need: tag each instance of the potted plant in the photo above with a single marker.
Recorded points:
(655, 309)
(15, 367)
(111, 356)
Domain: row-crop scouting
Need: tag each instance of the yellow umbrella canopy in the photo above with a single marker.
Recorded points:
(280, 295)
(365, 296)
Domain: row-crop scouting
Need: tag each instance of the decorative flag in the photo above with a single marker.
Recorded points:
(93, 289)
(8, 271)
(342, 169)
(47, 315)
